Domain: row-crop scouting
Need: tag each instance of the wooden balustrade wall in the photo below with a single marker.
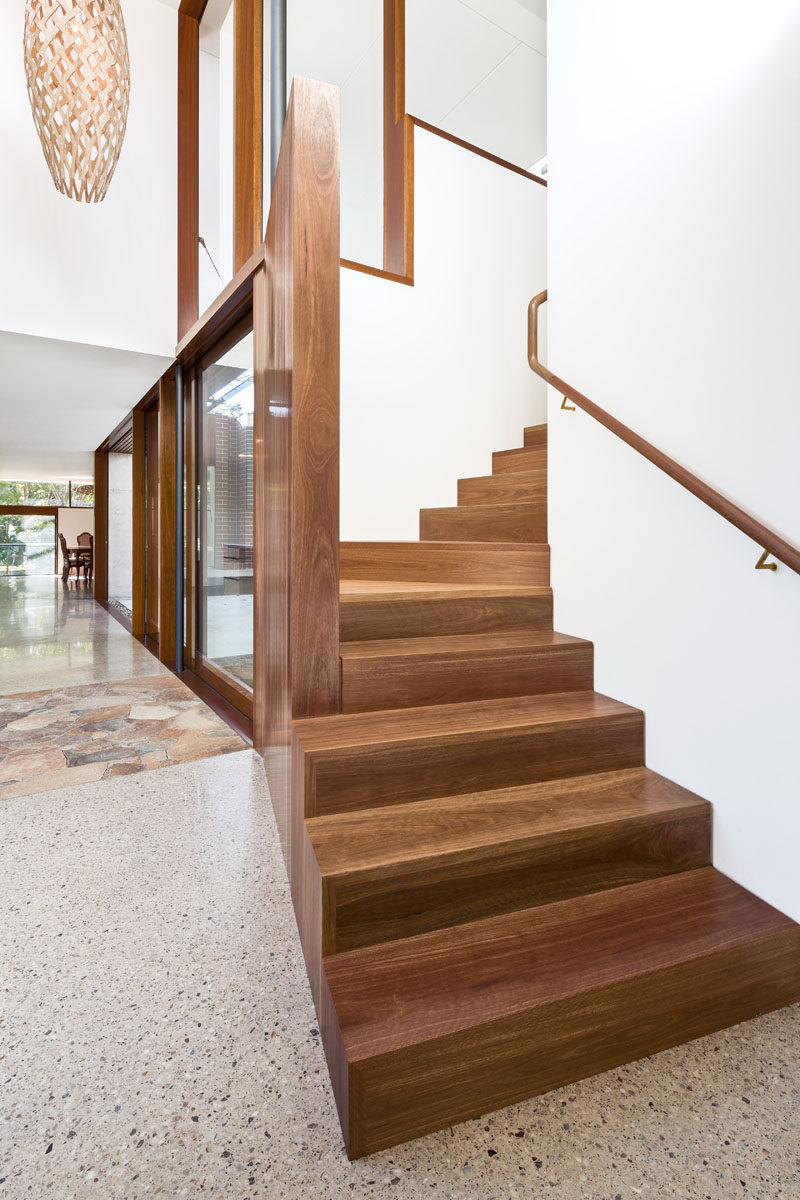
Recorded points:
(296, 442)
(289, 289)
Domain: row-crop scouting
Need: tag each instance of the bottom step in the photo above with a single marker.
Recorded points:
(445, 1026)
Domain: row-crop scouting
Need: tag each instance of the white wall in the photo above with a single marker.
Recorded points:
(103, 274)
(674, 259)
(120, 527)
(71, 522)
(435, 376)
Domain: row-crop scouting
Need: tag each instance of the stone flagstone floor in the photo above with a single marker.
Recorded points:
(71, 735)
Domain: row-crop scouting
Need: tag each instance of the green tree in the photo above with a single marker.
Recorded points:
(12, 492)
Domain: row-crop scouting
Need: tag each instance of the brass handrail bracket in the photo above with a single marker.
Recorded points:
(763, 565)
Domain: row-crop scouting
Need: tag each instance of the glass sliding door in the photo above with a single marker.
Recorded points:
(224, 458)
(120, 531)
(152, 524)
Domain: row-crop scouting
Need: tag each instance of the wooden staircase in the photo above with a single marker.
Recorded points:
(496, 897)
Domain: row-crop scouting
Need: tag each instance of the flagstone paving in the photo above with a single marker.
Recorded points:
(56, 738)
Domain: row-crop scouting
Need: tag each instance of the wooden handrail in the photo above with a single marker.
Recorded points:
(776, 546)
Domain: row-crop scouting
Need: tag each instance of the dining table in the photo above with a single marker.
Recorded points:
(87, 554)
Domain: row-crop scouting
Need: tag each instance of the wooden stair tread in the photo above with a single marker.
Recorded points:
(400, 872)
(352, 590)
(460, 547)
(507, 508)
(408, 672)
(384, 839)
(523, 522)
(490, 562)
(535, 435)
(472, 645)
(508, 487)
(435, 722)
(523, 458)
(420, 989)
(392, 608)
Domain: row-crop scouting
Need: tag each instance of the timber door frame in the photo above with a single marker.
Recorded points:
(152, 501)
(236, 324)
(160, 638)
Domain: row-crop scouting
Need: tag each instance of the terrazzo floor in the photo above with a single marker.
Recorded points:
(158, 1038)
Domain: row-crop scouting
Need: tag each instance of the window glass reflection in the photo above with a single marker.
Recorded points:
(226, 512)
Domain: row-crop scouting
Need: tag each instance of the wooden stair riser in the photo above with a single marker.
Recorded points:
(370, 683)
(420, 615)
(370, 776)
(438, 891)
(443, 562)
(520, 522)
(404, 1094)
(536, 435)
(523, 459)
(509, 488)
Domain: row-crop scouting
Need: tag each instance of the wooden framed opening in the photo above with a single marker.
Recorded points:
(219, 408)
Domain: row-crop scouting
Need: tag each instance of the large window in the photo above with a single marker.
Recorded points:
(225, 516)
(215, 150)
(342, 43)
(27, 544)
(50, 495)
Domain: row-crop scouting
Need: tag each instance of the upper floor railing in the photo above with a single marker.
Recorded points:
(766, 538)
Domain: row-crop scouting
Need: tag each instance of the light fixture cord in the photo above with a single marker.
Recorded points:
(202, 242)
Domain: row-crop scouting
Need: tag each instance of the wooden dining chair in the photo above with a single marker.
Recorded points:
(71, 561)
(86, 539)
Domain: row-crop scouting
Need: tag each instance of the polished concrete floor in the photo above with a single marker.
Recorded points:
(157, 1036)
(53, 634)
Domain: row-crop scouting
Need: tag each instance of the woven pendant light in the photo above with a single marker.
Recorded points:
(78, 73)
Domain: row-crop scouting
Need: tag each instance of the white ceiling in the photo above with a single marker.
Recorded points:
(539, 7)
(58, 400)
(478, 69)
